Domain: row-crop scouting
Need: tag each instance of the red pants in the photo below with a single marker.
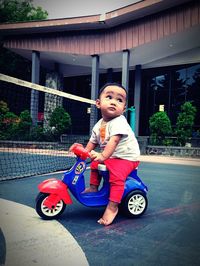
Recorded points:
(119, 170)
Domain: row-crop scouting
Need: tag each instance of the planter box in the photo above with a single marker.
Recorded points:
(193, 152)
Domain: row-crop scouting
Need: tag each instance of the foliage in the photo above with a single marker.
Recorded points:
(8, 122)
(13, 127)
(160, 127)
(3, 108)
(8, 125)
(59, 121)
(185, 122)
(16, 11)
(24, 126)
(24, 10)
(37, 133)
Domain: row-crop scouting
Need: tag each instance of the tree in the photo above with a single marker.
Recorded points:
(24, 126)
(20, 10)
(8, 122)
(16, 11)
(194, 93)
(185, 122)
(60, 121)
(3, 108)
(160, 127)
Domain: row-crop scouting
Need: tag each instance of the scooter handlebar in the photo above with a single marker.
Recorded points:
(80, 151)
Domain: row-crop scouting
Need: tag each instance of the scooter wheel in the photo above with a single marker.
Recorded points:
(44, 212)
(135, 204)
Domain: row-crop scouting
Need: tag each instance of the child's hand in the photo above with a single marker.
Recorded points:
(96, 156)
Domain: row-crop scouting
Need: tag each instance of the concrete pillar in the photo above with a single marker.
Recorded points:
(35, 78)
(54, 81)
(125, 72)
(125, 69)
(137, 95)
(94, 90)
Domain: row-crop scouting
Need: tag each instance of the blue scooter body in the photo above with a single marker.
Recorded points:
(74, 179)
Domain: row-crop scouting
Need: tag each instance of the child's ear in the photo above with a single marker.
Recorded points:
(98, 103)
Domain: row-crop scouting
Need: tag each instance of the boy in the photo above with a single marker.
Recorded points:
(120, 149)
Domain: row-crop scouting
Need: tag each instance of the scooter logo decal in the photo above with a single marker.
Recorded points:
(80, 168)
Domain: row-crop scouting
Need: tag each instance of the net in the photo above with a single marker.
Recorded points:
(38, 124)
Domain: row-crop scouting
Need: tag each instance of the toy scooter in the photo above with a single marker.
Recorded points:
(54, 194)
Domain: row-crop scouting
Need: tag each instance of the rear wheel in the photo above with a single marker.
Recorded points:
(135, 204)
(44, 212)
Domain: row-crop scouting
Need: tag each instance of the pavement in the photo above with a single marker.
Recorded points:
(170, 160)
(33, 241)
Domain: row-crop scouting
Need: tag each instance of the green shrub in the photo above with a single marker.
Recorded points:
(24, 126)
(3, 108)
(160, 127)
(60, 121)
(37, 133)
(13, 127)
(8, 126)
(185, 122)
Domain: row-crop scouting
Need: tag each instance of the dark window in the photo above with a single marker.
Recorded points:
(168, 88)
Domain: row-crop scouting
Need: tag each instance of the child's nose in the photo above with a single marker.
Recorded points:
(113, 101)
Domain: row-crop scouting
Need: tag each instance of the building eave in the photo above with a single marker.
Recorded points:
(100, 21)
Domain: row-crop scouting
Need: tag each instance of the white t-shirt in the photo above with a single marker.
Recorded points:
(127, 147)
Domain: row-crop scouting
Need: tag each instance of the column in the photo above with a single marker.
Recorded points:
(125, 73)
(125, 69)
(54, 80)
(137, 94)
(35, 78)
(94, 89)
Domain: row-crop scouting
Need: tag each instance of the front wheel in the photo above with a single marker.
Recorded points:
(44, 212)
(135, 204)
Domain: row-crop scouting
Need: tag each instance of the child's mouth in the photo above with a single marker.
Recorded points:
(111, 108)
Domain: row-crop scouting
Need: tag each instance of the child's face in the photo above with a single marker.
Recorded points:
(112, 102)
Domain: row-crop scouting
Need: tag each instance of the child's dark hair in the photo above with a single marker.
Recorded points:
(111, 84)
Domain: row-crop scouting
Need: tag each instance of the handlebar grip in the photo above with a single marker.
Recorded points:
(80, 151)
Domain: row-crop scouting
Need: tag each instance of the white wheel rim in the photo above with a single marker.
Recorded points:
(51, 212)
(136, 204)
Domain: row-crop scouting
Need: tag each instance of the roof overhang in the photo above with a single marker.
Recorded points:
(100, 21)
(176, 49)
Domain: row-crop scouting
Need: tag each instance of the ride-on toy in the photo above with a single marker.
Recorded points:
(54, 194)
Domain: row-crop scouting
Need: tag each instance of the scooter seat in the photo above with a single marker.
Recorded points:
(102, 167)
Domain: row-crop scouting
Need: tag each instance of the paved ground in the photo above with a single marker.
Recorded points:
(31, 241)
(168, 234)
(171, 160)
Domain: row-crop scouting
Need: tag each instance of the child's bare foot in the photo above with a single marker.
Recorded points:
(91, 188)
(109, 214)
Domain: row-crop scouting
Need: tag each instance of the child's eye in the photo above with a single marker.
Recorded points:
(108, 97)
(120, 100)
